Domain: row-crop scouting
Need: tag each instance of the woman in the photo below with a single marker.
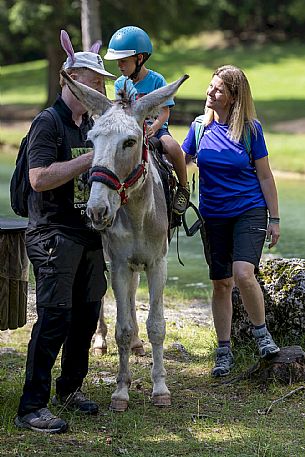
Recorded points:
(238, 200)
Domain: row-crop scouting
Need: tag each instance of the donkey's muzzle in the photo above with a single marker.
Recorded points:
(99, 218)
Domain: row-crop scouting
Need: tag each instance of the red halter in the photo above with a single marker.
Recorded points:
(110, 179)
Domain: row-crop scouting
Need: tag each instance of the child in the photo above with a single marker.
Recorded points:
(131, 47)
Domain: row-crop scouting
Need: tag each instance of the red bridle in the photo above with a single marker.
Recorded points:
(110, 179)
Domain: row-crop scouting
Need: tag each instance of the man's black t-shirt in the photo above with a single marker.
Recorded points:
(60, 210)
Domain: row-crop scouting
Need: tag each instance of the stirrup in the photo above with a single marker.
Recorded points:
(190, 231)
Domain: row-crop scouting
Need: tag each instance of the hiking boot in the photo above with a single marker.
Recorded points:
(76, 402)
(224, 362)
(181, 199)
(266, 346)
(42, 420)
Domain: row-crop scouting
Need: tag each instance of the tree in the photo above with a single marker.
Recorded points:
(91, 25)
(42, 22)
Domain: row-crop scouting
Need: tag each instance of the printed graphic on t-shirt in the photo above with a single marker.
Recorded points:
(81, 182)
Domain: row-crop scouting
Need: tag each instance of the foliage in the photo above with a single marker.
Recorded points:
(39, 18)
(31, 23)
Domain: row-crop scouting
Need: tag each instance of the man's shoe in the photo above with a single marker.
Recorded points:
(266, 346)
(224, 362)
(181, 199)
(77, 402)
(42, 420)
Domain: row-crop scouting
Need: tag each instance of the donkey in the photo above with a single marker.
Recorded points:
(127, 204)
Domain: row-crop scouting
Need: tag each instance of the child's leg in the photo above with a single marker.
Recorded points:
(176, 157)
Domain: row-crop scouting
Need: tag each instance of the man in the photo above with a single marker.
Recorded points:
(66, 253)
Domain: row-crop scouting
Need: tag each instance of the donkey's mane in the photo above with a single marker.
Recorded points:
(124, 97)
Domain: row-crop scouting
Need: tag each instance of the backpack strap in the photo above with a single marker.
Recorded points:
(199, 130)
(59, 124)
(247, 143)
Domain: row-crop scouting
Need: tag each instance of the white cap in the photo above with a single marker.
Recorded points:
(89, 60)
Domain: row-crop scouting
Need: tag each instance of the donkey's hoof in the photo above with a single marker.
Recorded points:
(161, 400)
(119, 406)
(138, 350)
(99, 351)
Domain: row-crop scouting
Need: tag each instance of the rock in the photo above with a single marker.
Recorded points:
(283, 285)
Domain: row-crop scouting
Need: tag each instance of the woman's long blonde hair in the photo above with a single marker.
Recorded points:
(242, 112)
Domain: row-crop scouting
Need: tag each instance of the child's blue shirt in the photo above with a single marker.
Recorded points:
(152, 81)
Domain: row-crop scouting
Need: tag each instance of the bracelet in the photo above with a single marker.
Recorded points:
(274, 220)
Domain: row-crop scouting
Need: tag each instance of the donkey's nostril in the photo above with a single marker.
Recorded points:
(97, 214)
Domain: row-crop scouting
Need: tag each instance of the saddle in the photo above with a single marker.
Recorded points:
(169, 181)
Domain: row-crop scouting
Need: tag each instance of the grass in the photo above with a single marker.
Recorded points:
(205, 419)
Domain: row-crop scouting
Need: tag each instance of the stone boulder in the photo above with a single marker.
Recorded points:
(283, 285)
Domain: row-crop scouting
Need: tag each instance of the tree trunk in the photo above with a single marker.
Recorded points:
(55, 61)
(91, 24)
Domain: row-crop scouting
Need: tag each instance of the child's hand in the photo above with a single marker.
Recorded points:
(151, 130)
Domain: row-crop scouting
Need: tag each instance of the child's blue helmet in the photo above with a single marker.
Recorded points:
(128, 41)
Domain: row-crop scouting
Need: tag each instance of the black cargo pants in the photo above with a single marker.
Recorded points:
(70, 282)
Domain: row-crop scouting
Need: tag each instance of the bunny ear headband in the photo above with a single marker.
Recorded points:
(87, 59)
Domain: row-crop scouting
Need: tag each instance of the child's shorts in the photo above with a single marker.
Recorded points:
(161, 132)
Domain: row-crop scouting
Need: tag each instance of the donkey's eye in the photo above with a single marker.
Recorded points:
(129, 143)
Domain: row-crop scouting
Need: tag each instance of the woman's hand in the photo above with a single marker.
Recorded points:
(273, 234)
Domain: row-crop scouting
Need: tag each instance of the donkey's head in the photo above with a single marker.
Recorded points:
(119, 163)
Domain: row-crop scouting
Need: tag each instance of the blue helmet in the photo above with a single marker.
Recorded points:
(128, 41)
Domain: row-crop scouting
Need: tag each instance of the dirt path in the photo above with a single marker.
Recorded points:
(195, 311)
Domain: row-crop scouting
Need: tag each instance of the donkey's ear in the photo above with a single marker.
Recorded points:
(93, 101)
(150, 103)
(96, 47)
(66, 44)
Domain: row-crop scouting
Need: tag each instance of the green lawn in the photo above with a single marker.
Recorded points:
(276, 73)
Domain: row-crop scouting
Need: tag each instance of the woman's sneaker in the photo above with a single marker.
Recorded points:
(224, 362)
(42, 420)
(266, 345)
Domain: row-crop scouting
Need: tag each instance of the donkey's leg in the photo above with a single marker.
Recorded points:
(136, 344)
(100, 343)
(155, 324)
(121, 283)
